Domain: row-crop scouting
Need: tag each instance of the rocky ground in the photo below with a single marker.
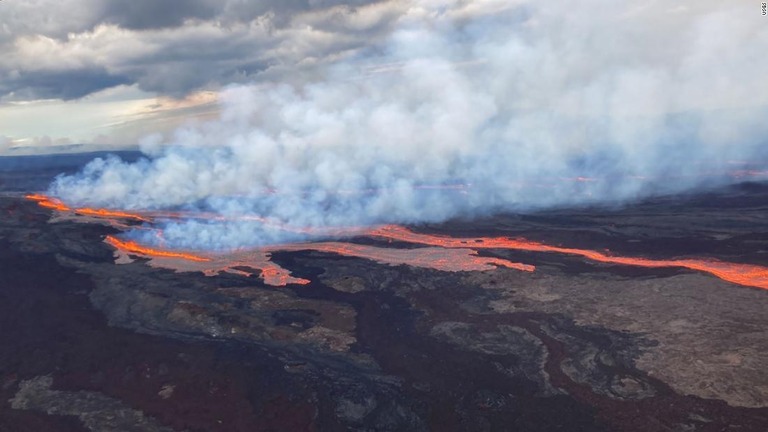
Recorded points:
(88, 345)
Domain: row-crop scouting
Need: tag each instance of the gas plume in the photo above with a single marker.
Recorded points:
(468, 108)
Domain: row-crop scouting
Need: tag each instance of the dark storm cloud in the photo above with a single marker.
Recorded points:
(65, 85)
(282, 10)
(71, 48)
(177, 78)
(147, 14)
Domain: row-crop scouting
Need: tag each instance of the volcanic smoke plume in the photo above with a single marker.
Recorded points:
(468, 108)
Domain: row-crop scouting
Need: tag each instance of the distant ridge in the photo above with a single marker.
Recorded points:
(62, 149)
(28, 173)
(63, 161)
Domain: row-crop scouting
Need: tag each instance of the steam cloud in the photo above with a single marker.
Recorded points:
(511, 102)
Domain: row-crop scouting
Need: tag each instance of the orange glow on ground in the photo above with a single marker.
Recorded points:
(277, 276)
(36, 197)
(259, 260)
(742, 274)
(445, 253)
(55, 204)
(135, 248)
(459, 259)
(104, 213)
(47, 202)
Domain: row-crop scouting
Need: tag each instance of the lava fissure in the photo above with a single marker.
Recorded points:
(55, 204)
(742, 274)
(135, 248)
(442, 252)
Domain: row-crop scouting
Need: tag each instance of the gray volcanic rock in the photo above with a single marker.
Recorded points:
(98, 413)
(530, 352)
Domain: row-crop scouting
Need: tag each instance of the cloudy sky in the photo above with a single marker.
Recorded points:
(110, 71)
(107, 71)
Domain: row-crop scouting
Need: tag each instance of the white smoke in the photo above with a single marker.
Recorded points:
(513, 103)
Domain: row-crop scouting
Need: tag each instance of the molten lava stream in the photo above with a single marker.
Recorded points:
(742, 274)
(133, 247)
(104, 213)
(55, 204)
(150, 216)
(457, 259)
(48, 202)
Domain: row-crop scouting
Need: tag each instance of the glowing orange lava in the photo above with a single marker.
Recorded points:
(277, 276)
(445, 253)
(47, 202)
(458, 259)
(104, 213)
(133, 247)
(742, 274)
(36, 197)
(55, 204)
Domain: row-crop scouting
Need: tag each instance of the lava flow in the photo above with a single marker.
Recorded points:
(259, 260)
(55, 204)
(48, 202)
(445, 253)
(742, 274)
(135, 248)
(85, 211)
(149, 216)
(459, 259)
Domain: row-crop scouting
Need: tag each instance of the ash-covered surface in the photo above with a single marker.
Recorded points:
(574, 346)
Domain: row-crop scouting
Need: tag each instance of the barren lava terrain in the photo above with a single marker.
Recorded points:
(649, 317)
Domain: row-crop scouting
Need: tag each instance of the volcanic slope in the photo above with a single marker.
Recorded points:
(577, 344)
